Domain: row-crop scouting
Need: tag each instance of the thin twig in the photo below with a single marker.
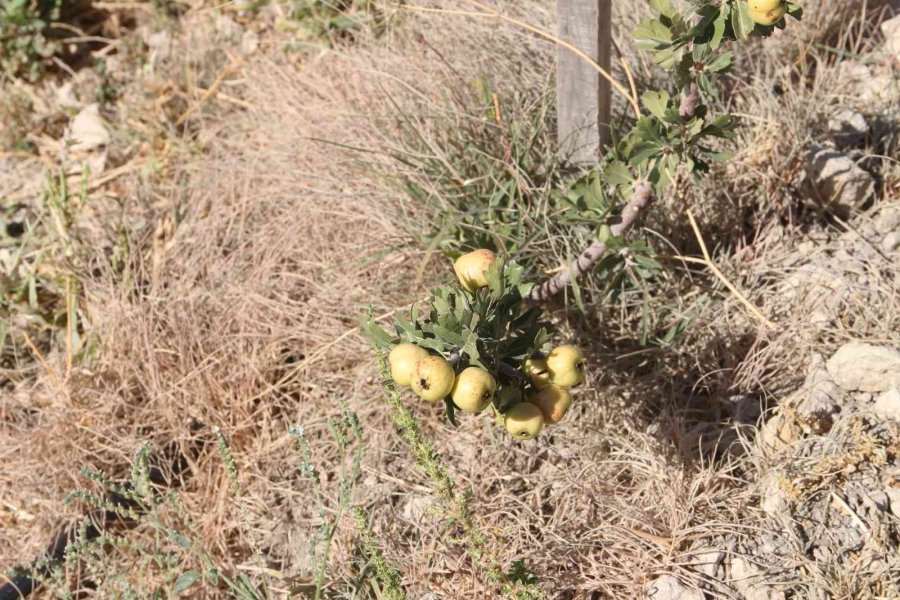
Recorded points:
(712, 267)
(628, 74)
(228, 70)
(643, 196)
(690, 100)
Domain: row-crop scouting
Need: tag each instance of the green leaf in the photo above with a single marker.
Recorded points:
(644, 151)
(494, 278)
(720, 63)
(447, 335)
(666, 58)
(616, 173)
(647, 263)
(451, 412)
(663, 7)
(181, 540)
(375, 334)
(740, 20)
(470, 347)
(656, 102)
(184, 581)
(524, 289)
(652, 34)
(719, 27)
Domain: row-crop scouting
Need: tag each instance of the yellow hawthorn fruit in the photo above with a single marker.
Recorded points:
(506, 397)
(565, 365)
(524, 421)
(767, 12)
(470, 268)
(554, 402)
(433, 378)
(473, 390)
(537, 371)
(403, 359)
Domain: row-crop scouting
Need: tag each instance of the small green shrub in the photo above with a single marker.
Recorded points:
(498, 183)
(334, 20)
(24, 44)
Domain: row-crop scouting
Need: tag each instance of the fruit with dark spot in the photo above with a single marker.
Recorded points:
(473, 390)
(565, 365)
(433, 378)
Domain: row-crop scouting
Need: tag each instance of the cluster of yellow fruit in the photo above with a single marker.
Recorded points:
(767, 12)
(433, 378)
(548, 378)
(549, 399)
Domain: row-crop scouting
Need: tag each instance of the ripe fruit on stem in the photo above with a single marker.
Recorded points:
(524, 421)
(433, 378)
(537, 371)
(403, 359)
(767, 12)
(473, 390)
(554, 402)
(565, 365)
(470, 268)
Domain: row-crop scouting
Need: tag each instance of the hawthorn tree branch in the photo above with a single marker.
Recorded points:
(690, 100)
(643, 196)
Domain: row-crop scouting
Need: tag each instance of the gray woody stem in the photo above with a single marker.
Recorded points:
(643, 195)
(690, 100)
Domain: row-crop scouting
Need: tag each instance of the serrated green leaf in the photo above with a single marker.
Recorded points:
(469, 347)
(494, 276)
(644, 151)
(432, 344)
(663, 7)
(666, 58)
(448, 336)
(376, 335)
(523, 289)
(652, 34)
(441, 304)
(514, 273)
(616, 173)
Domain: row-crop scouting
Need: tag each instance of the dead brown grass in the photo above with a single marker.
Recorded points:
(281, 237)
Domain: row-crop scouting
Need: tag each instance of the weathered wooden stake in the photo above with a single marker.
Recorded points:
(583, 95)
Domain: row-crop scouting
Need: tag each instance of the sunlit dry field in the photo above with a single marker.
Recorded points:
(202, 201)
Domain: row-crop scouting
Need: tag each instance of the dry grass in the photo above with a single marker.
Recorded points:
(277, 237)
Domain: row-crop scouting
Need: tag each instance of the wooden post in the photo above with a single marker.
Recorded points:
(583, 95)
